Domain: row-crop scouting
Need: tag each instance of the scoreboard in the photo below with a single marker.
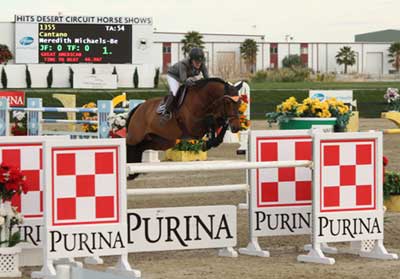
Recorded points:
(81, 39)
(84, 43)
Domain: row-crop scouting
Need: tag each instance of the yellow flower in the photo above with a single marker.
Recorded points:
(243, 107)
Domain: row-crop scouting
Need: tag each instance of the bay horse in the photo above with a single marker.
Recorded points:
(209, 105)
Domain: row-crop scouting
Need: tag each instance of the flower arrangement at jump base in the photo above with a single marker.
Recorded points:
(187, 150)
(331, 111)
(19, 125)
(244, 122)
(117, 124)
(391, 187)
(392, 97)
(89, 116)
(12, 184)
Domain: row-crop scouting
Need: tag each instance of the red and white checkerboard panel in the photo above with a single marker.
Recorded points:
(348, 175)
(284, 186)
(28, 158)
(85, 186)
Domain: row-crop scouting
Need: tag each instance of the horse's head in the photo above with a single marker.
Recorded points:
(231, 112)
(220, 99)
(231, 106)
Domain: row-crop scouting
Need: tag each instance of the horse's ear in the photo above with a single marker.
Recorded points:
(239, 85)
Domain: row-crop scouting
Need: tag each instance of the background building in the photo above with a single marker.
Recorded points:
(151, 50)
(389, 36)
(222, 49)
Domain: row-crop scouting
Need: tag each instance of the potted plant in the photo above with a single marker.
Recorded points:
(117, 124)
(392, 98)
(12, 183)
(391, 188)
(290, 114)
(186, 150)
(19, 123)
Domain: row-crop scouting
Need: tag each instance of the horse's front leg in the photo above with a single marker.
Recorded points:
(215, 141)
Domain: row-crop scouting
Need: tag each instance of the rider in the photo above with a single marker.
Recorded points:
(186, 71)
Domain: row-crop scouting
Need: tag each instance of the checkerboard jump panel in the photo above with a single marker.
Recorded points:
(290, 186)
(28, 158)
(348, 175)
(85, 186)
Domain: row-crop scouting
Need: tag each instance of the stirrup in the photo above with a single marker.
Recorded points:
(166, 115)
(161, 109)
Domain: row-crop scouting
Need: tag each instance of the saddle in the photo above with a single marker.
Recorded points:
(180, 97)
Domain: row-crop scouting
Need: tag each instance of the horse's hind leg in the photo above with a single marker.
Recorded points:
(134, 155)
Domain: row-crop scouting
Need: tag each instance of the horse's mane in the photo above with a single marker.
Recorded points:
(203, 82)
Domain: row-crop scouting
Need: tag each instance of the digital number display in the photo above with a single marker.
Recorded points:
(85, 43)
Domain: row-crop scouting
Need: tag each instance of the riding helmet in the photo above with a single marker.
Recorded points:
(196, 54)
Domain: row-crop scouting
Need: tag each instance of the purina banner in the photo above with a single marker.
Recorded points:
(85, 198)
(179, 228)
(15, 98)
(281, 196)
(348, 187)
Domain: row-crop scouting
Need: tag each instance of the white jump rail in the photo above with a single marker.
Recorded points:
(188, 190)
(203, 166)
(211, 166)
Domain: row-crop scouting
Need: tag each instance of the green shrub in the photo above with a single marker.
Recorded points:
(71, 77)
(50, 78)
(157, 78)
(294, 74)
(260, 76)
(324, 77)
(136, 78)
(4, 79)
(292, 60)
(28, 78)
(391, 184)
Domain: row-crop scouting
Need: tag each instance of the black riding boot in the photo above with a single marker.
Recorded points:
(167, 107)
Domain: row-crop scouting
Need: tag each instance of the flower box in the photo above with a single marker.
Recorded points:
(185, 156)
(19, 133)
(393, 203)
(9, 262)
(297, 123)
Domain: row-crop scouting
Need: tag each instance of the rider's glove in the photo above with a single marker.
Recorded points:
(189, 82)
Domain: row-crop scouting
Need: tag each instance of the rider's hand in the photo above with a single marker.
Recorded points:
(189, 82)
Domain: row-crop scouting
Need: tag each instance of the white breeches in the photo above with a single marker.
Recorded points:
(173, 85)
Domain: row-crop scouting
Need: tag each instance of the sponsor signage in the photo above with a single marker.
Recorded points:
(78, 39)
(15, 98)
(348, 187)
(85, 199)
(97, 81)
(160, 229)
(179, 228)
(346, 96)
(281, 196)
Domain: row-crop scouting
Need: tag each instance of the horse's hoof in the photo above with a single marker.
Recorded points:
(132, 176)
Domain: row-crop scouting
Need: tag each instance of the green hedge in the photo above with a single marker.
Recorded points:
(370, 101)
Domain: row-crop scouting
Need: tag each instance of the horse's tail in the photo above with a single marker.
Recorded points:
(130, 116)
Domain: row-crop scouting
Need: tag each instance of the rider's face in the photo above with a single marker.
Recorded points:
(196, 64)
